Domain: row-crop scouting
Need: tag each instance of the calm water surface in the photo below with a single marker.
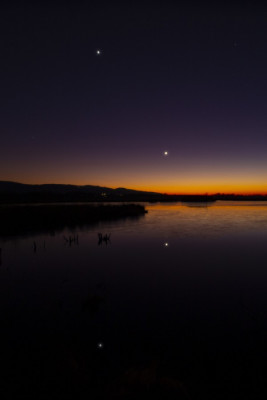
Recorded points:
(180, 292)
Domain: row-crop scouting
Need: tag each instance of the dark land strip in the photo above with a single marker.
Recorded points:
(23, 219)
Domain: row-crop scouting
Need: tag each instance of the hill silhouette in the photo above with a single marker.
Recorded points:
(14, 192)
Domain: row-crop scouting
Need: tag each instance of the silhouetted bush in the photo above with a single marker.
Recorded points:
(31, 218)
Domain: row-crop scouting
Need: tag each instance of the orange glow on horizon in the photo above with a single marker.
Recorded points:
(183, 190)
(207, 189)
(185, 187)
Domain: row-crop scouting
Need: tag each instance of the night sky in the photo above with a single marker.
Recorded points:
(190, 80)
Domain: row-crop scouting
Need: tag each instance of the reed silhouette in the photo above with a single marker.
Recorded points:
(103, 238)
(72, 239)
(23, 219)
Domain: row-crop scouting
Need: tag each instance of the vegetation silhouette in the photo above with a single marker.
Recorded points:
(72, 239)
(18, 193)
(103, 238)
(25, 219)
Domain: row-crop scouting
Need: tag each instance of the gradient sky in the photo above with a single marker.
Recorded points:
(190, 80)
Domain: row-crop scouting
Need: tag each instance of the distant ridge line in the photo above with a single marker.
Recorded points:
(10, 185)
(16, 192)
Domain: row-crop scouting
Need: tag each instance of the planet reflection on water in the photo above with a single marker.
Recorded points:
(84, 318)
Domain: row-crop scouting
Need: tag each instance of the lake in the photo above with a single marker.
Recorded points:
(172, 306)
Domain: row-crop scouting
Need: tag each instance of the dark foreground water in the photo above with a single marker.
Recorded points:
(173, 306)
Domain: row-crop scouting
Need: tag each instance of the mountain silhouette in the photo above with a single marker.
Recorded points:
(20, 192)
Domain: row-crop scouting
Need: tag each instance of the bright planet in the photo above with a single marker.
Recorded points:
(128, 270)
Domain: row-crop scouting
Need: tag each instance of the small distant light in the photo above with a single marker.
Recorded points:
(166, 244)
(165, 153)
(100, 345)
(98, 52)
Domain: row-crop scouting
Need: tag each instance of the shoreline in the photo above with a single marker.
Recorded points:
(22, 219)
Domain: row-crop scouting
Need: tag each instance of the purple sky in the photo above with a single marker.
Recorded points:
(190, 80)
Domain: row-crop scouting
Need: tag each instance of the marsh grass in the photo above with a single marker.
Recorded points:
(22, 219)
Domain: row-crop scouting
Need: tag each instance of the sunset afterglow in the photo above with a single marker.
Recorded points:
(169, 105)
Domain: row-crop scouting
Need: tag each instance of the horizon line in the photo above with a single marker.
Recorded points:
(204, 193)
